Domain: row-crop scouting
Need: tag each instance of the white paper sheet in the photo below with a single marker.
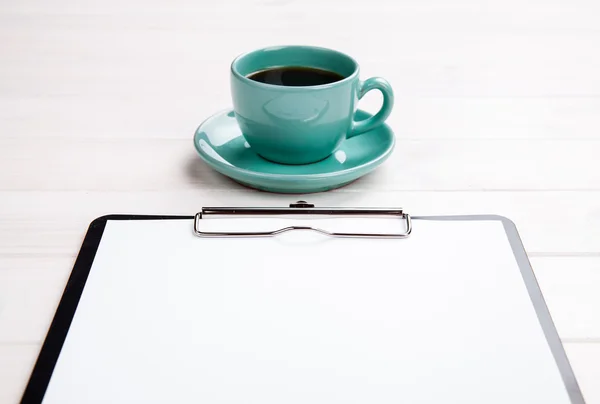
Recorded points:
(441, 317)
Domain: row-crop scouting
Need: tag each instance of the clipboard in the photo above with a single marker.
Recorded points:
(49, 381)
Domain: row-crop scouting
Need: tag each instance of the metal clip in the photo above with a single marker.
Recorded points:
(300, 208)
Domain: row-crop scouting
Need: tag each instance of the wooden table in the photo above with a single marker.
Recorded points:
(497, 111)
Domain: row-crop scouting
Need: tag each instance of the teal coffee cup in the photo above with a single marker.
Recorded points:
(296, 104)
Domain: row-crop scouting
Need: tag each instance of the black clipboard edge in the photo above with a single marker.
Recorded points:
(57, 332)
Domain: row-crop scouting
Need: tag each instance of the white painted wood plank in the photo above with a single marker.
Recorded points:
(570, 287)
(164, 54)
(54, 222)
(30, 290)
(496, 118)
(585, 361)
(155, 63)
(414, 118)
(159, 164)
(16, 363)
(426, 16)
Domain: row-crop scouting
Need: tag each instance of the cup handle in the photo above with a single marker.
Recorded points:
(374, 83)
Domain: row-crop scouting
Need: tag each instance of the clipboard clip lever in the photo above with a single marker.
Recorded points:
(300, 208)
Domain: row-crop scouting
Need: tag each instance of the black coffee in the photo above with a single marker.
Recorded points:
(295, 76)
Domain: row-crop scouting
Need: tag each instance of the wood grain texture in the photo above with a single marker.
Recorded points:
(585, 361)
(16, 363)
(497, 111)
(432, 165)
(570, 287)
(155, 117)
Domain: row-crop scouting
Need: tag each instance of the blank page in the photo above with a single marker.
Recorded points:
(441, 317)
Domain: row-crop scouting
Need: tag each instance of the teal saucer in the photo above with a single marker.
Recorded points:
(222, 146)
